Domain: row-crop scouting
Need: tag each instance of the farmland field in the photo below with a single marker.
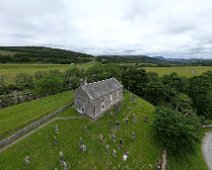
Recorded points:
(17, 116)
(143, 151)
(187, 71)
(11, 70)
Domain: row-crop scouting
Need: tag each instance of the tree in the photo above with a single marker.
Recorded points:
(156, 92)
(50, 84)
(176, 82)
(40, 74)
(175, 131)
(2, 84)
(135, 80)
(72, 77)
(23, 81)
(200, 89)
(103, 71)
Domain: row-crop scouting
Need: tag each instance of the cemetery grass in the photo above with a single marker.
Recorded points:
(143, 151)
(16, 117)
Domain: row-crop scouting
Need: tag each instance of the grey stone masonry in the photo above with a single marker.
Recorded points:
(94, 99)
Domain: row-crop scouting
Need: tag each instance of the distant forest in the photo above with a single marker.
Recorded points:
(27, 54)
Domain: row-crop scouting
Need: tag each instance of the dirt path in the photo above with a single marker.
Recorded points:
(36, 129)
(207, 149)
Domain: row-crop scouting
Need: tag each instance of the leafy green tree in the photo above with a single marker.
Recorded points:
(200, 89)
(156, 92)
(50, 84)
(135, 79)
(103, 71)
(181, 103)
(2, 84)
(73, 77)
(23, 81)
(175, 131)
(176, 82)
(40, 74)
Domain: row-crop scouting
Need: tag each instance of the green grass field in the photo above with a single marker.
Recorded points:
(17, 116)
(11, 70)
(180, 70)
(143, 151)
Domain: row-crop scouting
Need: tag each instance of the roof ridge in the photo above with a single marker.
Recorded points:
(100, 81)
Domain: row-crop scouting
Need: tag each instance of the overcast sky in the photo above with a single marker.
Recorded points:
(173, 28)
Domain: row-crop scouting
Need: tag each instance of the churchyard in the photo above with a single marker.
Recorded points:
(126, 129)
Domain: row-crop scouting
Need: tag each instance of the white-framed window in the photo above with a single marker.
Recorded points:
(117, 94)
(111, 99)
(102, 105)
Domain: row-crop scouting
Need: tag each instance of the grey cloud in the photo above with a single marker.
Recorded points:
(154, 27)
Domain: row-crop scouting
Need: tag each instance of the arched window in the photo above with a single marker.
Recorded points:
(111, 99)
(117, 94)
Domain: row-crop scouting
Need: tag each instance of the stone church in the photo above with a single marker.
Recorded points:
(94, 99)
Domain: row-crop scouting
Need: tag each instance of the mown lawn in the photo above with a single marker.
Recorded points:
(143, 151)
(180, 70)
(17, 116)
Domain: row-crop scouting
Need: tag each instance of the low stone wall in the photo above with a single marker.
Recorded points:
(32, 126)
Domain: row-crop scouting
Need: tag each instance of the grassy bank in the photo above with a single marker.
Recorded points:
(193, 161)
(15, 117)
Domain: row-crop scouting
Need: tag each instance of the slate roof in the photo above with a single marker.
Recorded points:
(101, 88)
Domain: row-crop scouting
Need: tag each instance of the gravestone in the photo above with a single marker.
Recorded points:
(81, 141)
(83, 147)
(125, 156)
(114, 153)
(56, 130)
(120, 144)
(55, 140)
(117, 124)
(113, 138)
(61, 156)
(27, 160)
(107, 147)
(101, 138)
(133, 135)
